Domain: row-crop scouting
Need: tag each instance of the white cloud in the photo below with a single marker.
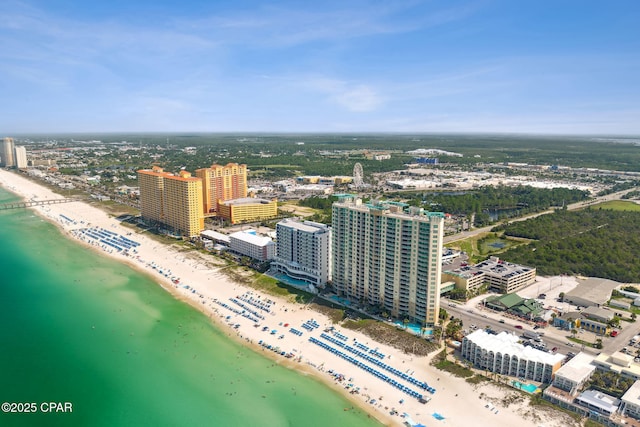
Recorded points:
(360, 98)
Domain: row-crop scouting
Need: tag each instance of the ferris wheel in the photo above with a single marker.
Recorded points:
(357, 176)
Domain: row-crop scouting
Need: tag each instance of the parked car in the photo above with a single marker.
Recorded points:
(501, 320)
(614, 333)
(518, 326)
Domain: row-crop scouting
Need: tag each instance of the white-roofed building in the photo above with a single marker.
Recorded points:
(503, 354)
(215, 236)
(619, 363)
(575, 373)
(598, 401)
(249, 244)
(631, 402)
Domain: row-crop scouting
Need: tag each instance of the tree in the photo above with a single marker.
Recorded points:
(598, 343)
(574, 332)
(561, 296)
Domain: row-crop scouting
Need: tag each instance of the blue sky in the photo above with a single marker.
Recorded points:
(526, 66)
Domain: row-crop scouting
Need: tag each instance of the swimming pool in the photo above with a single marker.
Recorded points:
(414, 327)
(529, 388)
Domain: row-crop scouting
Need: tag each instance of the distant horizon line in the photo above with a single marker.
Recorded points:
(292, 133)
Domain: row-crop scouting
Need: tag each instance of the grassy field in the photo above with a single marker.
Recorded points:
(618, 205)
(483, 245)
(293, 208)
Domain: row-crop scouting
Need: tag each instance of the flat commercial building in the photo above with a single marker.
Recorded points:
(631, 402)
(503, 354)
(303, 251)
(247, 209)
(172, 200)
(619, 363)
(221, 183)
(248, 243)
(598, 402)
(573, 376)
(500, 276)
(388, 254)
(591, 292)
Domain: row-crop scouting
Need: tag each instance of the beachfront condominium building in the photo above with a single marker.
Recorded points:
(389, 255)
(503, 354)
(21, 157)
(7, 153)
(303, 251)
(172, 200)
(248, 243)
(221, 183)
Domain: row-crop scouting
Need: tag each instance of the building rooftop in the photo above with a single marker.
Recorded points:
(633, 394)
(306, 226)
(214, 235)
(246, 201)
(251, 238)
(599, 400)
(507, 343)
(597, 312)
(593, 289)
(577, 369)
(497, 267)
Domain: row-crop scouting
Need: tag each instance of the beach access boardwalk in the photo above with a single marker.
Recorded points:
(30, 204)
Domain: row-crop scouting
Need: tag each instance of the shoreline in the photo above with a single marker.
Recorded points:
(207, 289)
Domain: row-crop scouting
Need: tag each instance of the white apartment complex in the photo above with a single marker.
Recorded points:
(303, 251)
(249, 244)
(388, 254)
(503, 354)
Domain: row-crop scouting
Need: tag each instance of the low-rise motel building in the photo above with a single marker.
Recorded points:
(503, 354)
(499, 275)
(247, 209)
(248, 243)
(174, 201)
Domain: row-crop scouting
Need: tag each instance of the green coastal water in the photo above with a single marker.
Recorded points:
(81, 328)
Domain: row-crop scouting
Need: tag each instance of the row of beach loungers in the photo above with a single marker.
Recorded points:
(340, 336)
(310, 325)
(256, 302)
(247, 309)
(379, 363)
(110, 238)
(367, 368)
(242, 313)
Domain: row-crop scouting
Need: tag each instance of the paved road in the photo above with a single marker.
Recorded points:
(573, 206)
(553, 338)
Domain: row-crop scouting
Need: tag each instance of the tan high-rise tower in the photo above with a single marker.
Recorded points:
(222, 183)
(7, 154)
(172, 200)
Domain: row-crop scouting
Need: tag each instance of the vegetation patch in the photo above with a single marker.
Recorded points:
(477, 379)
(453, 368)
(385, 333)
(618, 205)
(591, 242)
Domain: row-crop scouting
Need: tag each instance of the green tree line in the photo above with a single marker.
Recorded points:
(592, 242)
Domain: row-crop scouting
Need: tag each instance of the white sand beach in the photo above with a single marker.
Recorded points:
(188, 276)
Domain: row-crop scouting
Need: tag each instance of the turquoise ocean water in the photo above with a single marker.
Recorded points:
(81, 328)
